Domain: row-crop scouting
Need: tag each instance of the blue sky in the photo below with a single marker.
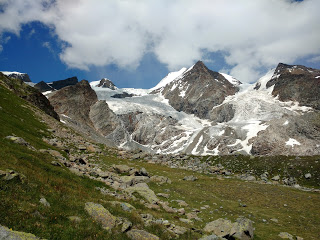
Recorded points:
(136, 43)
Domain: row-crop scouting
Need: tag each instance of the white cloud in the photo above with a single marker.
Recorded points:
(314, 59)
(100, 32)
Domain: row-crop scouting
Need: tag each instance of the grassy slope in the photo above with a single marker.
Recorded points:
(300, 217)
(67, 193)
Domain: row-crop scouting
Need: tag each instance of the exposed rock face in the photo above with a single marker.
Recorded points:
(30, 94)
(104, 120)
(297, 83)
(222, 113)
(123, 95)
(22, 76)
(75, 102)
(242, 229)
(56, 85)
(43, 87)
(198, 91)
(106, 83)
(304, 132)
(63, 83)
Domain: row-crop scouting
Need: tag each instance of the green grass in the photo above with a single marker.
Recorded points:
(300, 217)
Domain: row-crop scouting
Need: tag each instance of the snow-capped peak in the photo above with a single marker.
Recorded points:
(231, 79)
(169, 78)
(10, 73)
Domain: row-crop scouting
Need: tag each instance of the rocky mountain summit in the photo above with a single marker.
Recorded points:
(55, 85)
(197, 90)
(106, 83)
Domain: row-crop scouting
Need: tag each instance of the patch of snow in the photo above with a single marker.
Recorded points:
(253, 129)
(231, 79)
(94, 83)
(265, 79)
(291, 142)
(221, 132)
(182, 93)
(294, 106)
(46, 93)
(169, 78)
(66, 116)
(317, 77)
(136, 91)
(286, 123)
(173, 87)
(30, 84)
(194, 151)
(63, 121)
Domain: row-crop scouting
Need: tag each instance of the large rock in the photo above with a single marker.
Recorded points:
(220, 227)
(242, 229)
(101, 215)
(136, 234)
(144, 191)
(6, 233)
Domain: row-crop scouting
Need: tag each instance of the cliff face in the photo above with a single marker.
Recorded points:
(297, 83)
(75, 102)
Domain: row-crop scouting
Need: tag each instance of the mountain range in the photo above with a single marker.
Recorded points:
(197, 111)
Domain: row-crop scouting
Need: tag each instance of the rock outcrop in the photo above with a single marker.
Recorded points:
(63, 83)
(101, 215)
(296, 83)
(75, 102)
(43, 87)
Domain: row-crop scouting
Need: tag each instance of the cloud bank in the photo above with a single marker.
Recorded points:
(252, 35)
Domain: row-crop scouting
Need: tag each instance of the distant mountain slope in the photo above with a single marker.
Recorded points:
(197, 90)
(237, 118)
(22, 76)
